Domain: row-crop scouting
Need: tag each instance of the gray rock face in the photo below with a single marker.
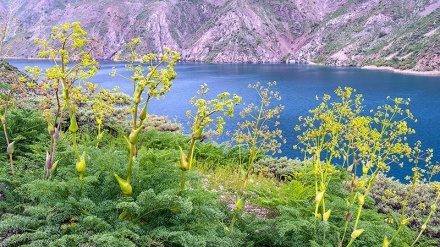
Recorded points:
(401, 34)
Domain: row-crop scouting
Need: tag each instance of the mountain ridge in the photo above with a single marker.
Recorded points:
(398, 34)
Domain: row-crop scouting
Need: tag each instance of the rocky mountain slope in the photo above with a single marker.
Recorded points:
(403, 34)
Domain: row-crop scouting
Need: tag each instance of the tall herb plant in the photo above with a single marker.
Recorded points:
(72, 53)
(365, 144)
(258, 134)
(152, 76)
(223, 104)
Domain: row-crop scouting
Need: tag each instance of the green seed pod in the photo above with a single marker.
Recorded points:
(184, 165)
(197, 134)
(10, 148)
(143, 113)
(133, 137)
(124, 185)
(73, 124)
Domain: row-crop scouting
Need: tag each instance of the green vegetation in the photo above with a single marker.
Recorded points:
(139, 182)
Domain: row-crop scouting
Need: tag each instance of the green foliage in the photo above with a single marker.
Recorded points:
(281, 202)
(68, 210)
(29, 133)
(151, 79)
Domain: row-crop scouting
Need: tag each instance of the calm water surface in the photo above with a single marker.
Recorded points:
(298, 85)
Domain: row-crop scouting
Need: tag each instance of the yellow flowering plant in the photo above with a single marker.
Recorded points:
(72, 53)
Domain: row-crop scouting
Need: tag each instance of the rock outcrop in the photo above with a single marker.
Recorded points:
(401, 34)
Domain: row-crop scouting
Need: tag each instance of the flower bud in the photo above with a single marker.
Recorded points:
(365, 169)
(81, 165)
(424, 227)
(50, 128)
(48, 161)
(350, 168)
(198, 133)
(433, 207)
(124, 185)
(143, 113)
(184, 164)
(348, 216)
(73, 124)
(319, 196)
(10, 148)
(356, 233)
(239, 203)
(54, 167)
(326, 215)
(56, 133)
(99, 121)
(404, 221)
(133, 137)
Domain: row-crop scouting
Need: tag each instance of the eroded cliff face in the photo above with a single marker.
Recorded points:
(399, 33)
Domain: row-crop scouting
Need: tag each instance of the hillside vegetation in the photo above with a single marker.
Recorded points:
(400, 34)
(82, 166)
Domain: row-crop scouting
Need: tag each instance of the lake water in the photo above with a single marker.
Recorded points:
(298, 86)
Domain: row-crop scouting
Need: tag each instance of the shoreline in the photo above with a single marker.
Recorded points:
(410, 72)
(367, 67)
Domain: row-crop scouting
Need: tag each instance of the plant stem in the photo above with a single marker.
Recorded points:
(182, 183)
(5, 131)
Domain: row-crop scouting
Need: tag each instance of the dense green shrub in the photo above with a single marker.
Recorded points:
(28, 130)
(71, 211)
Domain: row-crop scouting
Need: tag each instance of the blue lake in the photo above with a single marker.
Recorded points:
(298, 86)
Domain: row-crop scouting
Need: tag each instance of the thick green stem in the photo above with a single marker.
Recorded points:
(75, 145)
(136, 106)
(182, 182)
(130, 163)
(190, 160)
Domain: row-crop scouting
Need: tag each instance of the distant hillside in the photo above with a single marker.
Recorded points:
(399, 33)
